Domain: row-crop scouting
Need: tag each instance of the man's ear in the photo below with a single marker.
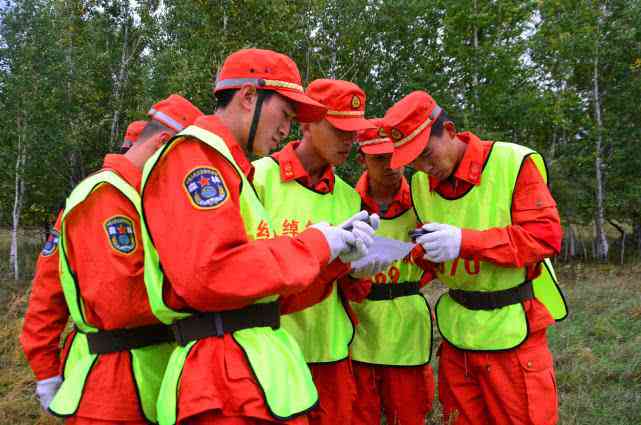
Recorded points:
(247, 96)
(450, 128)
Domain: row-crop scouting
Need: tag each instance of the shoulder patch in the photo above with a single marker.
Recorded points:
(121, 235)
(206, 188)
(51, 245)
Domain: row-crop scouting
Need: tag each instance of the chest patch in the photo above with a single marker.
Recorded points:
(120, 232)
(206, 188)
(51, 245)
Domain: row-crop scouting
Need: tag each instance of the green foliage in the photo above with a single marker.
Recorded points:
(519, 71)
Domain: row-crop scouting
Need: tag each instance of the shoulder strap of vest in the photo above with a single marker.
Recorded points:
(89, 184)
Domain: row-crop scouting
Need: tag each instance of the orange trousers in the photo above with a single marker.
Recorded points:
(214, 418)
(405, 393)
(513, 387)
(336, 393)
(76, 420)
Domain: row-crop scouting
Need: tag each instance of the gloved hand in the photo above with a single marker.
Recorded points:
(370, 269)
(442, 243)
(46, 390)
(339, 240)
(362, 225)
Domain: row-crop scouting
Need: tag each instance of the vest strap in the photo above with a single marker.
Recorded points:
(103, 342)
(389, 291)
(219, 323)
(475, 300)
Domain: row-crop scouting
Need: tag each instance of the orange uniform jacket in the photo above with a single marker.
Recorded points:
(112, 287)
(210, 265)
(535, 232)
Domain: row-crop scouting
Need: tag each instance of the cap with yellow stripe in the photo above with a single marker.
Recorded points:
(409, 123)
(269, 70)
(345, 103)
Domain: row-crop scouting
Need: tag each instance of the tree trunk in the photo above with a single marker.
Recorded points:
(475, 72)
(599, 219)
(18, 200)
(120, 82)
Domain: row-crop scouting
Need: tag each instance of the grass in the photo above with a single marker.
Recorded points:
(597, 349)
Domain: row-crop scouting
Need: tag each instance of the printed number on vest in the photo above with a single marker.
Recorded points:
(393, 274)
(471, 267)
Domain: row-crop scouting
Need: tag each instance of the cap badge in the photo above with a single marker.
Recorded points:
(396, 134)
(356, 102)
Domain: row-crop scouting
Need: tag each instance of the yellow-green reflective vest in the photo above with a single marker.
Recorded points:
(485, 206)
(324, 330)
(273, 355)
(148, 363)
(395, 332)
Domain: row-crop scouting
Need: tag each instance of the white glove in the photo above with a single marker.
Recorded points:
(370, 269)
(339, 240)
(362, 233)
(442, 244)
(46, 390)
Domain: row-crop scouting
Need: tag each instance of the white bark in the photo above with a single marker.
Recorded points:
(599, 219)
(121, 80)
(18, 201)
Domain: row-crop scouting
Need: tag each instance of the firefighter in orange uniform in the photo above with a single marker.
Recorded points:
(302, 175)
(392, 348)
(490, 225)
(99, 378)
(217, 272)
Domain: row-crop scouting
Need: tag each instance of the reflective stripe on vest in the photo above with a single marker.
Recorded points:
(324, 330)
(395, 332)
(148, 363)
(273, 355)
(482, 207)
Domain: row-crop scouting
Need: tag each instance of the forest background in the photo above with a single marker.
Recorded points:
(560, 76)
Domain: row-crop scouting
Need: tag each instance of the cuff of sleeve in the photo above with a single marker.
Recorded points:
(470, 241)
(44, 374)
(315, 240)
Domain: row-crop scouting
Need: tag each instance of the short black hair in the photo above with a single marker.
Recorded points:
(437, 127)
(224, 97)
(152, 128)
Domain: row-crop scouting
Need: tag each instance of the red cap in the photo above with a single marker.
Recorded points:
(345, 103)
(175, 112)
(132, 133)
(269, 70)
(375, 141)
(409, 123)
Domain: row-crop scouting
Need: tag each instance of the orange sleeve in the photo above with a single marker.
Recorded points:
(318, 291)
(46, 315)
(535, 232)
(205, 253)
(353, 289)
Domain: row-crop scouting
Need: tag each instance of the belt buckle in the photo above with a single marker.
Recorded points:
(176, 330)
(389, 291)
(218, 324)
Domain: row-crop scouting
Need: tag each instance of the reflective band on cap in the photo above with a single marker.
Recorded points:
(375, 141)
(435, 113)
(346, 113)
(165, 119)
(259, 82)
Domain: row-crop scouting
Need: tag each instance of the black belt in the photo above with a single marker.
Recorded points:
(103, 342)
(219, 323)
(389, 291)
(475, 300)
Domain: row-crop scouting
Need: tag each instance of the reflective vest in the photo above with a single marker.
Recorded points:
(396, 332)
(324, 330)
(148, 363)
(273, 355)
(485, 206)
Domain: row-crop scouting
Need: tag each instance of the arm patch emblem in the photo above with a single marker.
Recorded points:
(206, 188)
(120, 232)
(51, 245)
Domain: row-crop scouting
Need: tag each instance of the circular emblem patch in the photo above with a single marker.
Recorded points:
(382, 132)
(356, 102)
(206, 188)
(120, 232)
(51, 245)
(396, 134)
